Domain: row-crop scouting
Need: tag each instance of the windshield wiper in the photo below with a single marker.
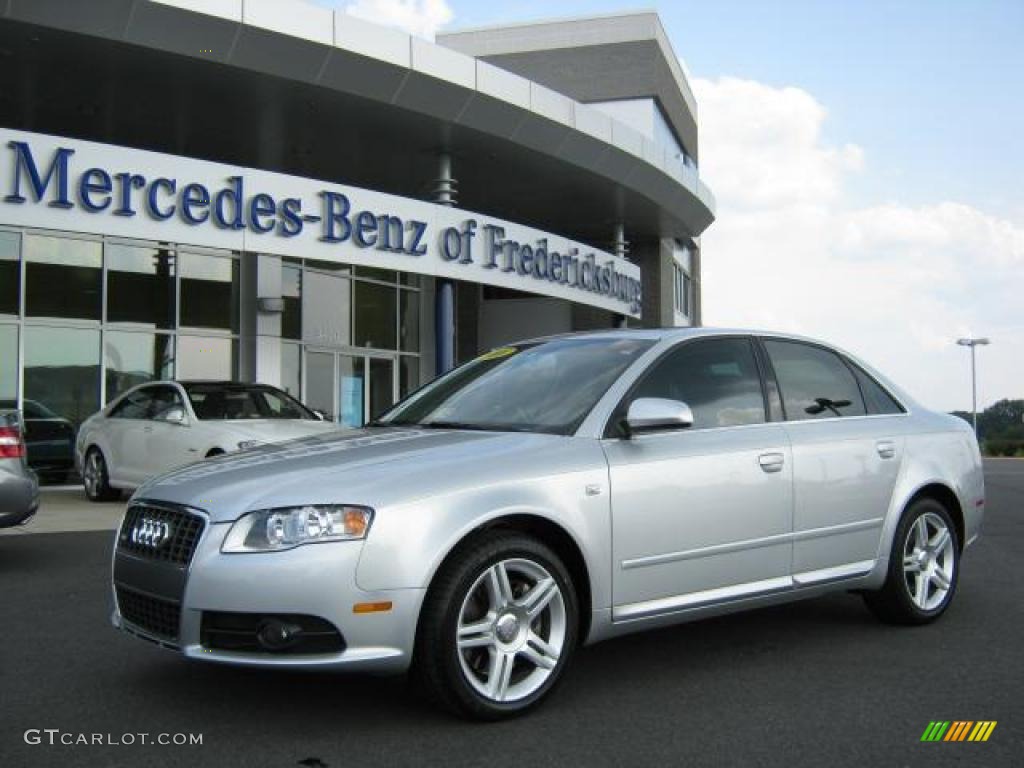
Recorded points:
(456, 425)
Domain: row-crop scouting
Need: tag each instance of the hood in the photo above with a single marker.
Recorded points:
(372, 467)
(274, 430)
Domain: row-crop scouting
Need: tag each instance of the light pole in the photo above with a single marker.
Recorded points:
(972, 343)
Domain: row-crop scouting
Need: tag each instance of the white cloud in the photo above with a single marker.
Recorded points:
(892, 283)
(417, 17)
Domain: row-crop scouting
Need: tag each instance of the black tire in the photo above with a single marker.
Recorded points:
(438, 664)
(99, 490)
(894, 603)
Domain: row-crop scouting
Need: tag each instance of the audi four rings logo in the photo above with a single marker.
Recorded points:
(150, 533)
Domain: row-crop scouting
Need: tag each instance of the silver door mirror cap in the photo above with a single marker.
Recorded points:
(320, 415)
(174, 415)
(657, 414)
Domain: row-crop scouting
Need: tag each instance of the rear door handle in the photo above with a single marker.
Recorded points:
(886, 448)
(147, 429)
(771, 462)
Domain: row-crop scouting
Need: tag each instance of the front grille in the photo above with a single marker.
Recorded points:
(150, 614)
(179, 532)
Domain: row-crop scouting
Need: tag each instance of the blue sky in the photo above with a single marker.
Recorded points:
(931, 89)
(867, 160)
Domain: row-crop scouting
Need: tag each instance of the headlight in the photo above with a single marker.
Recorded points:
(247, 444)
(272, 530)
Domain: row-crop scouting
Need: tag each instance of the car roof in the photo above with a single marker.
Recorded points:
(675, 333)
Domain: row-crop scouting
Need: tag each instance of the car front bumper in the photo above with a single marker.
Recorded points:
(317, 580)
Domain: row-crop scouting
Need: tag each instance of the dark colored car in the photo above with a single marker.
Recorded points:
(50, 439)
(19, 487)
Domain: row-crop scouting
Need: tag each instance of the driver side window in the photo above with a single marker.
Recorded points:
(717, 378)
(134, 405)
(164, 399)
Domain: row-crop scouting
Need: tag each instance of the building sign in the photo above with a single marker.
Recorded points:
(76, 186)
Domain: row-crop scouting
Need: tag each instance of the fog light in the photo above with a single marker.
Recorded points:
(276, 635)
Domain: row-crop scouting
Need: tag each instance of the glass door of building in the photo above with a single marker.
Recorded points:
(349, 388)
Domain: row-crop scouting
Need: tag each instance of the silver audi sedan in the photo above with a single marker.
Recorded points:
(554, 493)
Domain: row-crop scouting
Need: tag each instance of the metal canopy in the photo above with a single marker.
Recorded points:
(139, 75)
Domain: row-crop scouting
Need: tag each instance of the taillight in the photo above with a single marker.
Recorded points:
(11, 444)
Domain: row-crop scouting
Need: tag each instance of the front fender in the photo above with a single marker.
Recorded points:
(408, 543)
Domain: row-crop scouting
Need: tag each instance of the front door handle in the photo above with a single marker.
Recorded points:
(147, 429)
(886, 448)
(771, 462)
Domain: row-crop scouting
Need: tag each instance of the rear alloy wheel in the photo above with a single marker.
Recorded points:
(498, 628)
(96, 479)
(923, 567)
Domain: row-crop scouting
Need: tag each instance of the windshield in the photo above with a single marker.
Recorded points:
(213, 402)
(548, 386)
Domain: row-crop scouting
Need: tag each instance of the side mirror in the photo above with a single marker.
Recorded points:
(320, 415)
(174, 415)
(657, 414)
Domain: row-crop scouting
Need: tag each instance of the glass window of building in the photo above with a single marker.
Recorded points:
(351, 390)
(62, 370)
(134, 358)
(10, 278)
(376, 316)
(326, 309)
(291, 369)
(320, 383)
(408, 375)
(209, 292)
(374, 273)
(291, 292)
(207, 357)
(382, 389)
(140, 285)
(409, 325)
(8, 365)
(63, 277)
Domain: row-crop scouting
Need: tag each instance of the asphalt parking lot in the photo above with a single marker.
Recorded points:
(815, 683)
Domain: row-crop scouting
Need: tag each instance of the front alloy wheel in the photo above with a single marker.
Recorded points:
(96, 479)
(512, 630)
(498, 627)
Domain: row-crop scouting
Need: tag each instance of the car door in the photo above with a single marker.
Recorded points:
(169, 443)
(125, 428)
(704, 514)
(845, 460)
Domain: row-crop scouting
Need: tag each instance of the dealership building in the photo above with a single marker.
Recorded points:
(273, 191)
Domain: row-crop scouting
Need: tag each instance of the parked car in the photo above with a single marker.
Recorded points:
(553, 492)
(19, 487)
(49, 439)
(161, 425)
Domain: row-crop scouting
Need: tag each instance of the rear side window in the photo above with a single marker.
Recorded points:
(815, 383)
(135, 405)
(878, 401)
(717, 378)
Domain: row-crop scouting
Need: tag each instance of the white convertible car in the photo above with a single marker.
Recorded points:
(161, 425)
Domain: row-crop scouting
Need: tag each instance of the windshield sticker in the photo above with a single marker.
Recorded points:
(498, 353)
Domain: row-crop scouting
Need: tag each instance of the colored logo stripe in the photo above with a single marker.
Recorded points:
(958, 730)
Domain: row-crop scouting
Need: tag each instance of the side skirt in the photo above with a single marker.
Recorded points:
(678, 609)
